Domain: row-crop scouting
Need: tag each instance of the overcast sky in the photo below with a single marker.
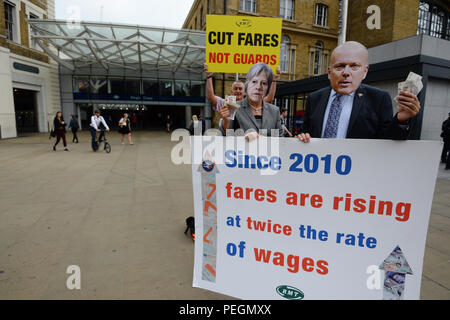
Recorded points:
(165, 13)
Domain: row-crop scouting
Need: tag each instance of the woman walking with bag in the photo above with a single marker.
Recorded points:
(125, 128)
(60, 129)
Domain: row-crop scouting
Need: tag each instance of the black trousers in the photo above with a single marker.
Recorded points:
(445, 155)
(61, 134)
(75, 136)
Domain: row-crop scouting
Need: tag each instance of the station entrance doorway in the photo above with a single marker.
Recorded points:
(25, 107)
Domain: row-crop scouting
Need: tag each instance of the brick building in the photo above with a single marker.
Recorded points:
(29, 83)
(399, 19)
(309, 32)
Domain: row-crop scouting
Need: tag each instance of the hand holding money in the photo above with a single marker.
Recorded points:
(408, 104)
(232, 105)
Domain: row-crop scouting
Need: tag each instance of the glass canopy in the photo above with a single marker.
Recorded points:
(135, 47)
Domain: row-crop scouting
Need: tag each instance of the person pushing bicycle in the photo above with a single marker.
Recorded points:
(96, 122)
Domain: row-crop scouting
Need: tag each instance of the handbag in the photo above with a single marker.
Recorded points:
(52, 134)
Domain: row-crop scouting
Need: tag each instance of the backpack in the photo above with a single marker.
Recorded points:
(190, 225)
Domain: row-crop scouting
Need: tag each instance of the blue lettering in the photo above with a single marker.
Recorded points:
(230, 156)
(260, 165)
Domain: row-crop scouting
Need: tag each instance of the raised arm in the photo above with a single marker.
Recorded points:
(273, 88)
(209, 86)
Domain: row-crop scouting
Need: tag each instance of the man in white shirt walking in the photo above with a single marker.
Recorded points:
(96, 121)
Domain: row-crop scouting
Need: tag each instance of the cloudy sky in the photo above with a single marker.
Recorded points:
(166, 13)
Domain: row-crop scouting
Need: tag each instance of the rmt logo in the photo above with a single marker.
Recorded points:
(246, 309)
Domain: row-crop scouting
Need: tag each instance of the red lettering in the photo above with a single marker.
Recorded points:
(273, 60)
(316, 201)
(322, 267)
(259, 195)
(212, 57)
(251, 59)
(236, 59)
(308, 264)
(271, 196)
(261, 254)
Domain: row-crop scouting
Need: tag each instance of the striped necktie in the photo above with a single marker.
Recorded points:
(334, 114)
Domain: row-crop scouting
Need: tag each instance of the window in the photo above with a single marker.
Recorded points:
(197, 88)
(248, 5)
(321, 15)
(151, 87)
(166, 88)
(133, 86)
(318, 59)
(433, 20)
(117, 86)
(32, 40)
(81, 84)
(182, 88)
(287, 9)
(284, 54)
(99, 85)
(10, 12)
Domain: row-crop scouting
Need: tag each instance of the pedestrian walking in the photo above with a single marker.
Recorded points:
(445, 156)
(125, 128)
(59, 126)
(168, 123)
(74, 126)
(134, 121)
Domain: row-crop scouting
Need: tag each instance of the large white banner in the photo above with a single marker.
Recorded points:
(332, 219)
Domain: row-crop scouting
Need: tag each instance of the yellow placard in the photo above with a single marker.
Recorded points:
(235, 43)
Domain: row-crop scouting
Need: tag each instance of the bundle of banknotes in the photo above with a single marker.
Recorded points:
(412, 84)
(231, 102)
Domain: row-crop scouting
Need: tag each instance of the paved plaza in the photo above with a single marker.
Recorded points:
(120, 217)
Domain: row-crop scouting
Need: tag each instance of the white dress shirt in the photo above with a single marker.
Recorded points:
(344, 119)
(95, 122)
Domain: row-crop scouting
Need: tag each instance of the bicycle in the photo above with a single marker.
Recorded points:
(107, 145)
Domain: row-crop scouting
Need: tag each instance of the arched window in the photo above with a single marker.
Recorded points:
(433, 20)
(318, 58)
(284, 55)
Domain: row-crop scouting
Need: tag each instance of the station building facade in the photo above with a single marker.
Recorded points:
(147, 72)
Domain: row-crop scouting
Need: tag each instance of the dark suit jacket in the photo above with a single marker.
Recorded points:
(371, 116)
(245, 120)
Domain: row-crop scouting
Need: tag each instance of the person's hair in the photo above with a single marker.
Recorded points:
(56, 115)
(239, 81)
(284, 110)
(255, 70)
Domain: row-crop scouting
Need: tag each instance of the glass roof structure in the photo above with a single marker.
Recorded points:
(140, 48)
